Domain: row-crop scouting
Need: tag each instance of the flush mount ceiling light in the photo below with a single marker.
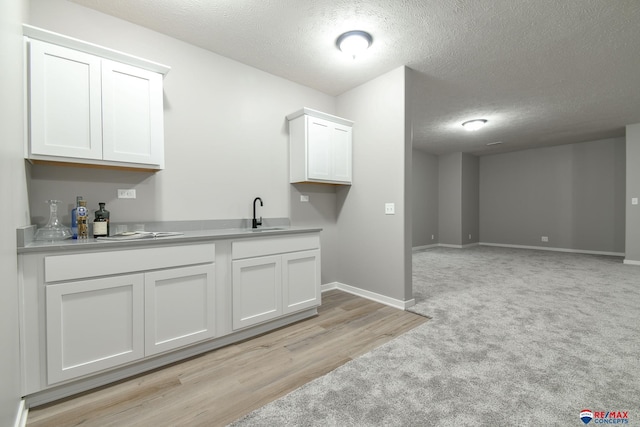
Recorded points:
(472, 125)
(353, 43)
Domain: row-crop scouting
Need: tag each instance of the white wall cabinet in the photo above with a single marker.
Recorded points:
(274, 277)
(320, 147)
(84, 108)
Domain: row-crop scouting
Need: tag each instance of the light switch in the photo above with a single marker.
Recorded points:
(389, 208)
(634, 201)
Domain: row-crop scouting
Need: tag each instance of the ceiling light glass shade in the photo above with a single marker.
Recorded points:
(354, 43)
(472, 125)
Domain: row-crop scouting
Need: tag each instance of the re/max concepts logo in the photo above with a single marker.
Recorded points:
(604, 417)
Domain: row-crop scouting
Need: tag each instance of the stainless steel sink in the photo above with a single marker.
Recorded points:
(262, 229)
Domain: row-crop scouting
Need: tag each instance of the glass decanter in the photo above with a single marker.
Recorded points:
(54, 230)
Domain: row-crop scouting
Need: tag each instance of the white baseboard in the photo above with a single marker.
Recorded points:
(546, 248)
(21, 416)
(383, 299)
(631, 262)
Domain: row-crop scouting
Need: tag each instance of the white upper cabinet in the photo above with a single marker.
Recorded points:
(65, 102)
(132, 115)
(320, 147)
(86, 107)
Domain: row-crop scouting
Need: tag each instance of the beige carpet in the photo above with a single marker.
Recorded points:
(518, 337)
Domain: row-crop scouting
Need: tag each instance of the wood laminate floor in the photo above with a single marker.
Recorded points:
(220, 386)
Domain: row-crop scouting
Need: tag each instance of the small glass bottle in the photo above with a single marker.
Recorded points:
(74, 218)
(101, 222)
(81, 216)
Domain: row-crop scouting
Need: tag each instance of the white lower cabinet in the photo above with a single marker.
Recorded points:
(257, 290)
(179, 307)
(95, 316)
(284, 280)
(93, 325)
(100, 323)
(300, 280)
(151, 301)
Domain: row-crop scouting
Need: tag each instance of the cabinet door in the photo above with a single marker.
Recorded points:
(341, 153)
(319, 148)
(257, 290)
(132, 114)
(64, 102)
(300, 280)
(93, 325)
(179, 307)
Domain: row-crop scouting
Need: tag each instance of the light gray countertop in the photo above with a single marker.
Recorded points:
(187, 236)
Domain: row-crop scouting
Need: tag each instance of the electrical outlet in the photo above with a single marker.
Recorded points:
(433, 237)
(469, 236)
(127, 194)
(304, 198)
(389, 208)
(634, 200)
(545, 238)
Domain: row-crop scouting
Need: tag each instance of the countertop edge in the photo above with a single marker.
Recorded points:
(187, 237)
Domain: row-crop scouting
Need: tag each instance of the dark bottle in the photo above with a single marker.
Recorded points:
(101, 222)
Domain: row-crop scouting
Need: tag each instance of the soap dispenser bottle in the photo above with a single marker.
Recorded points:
(101, 222)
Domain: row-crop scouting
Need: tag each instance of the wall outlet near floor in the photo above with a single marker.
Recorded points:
(469, 236)
(545, 238)
(127, 194)
(433, 237)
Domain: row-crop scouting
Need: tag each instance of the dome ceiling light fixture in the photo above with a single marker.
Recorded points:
(354, 43)
(475, 124)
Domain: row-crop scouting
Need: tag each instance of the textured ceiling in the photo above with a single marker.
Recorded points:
(543, 72)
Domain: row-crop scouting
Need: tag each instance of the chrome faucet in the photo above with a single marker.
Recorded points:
(255, 223)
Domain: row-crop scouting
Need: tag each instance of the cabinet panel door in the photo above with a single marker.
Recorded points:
(341, 152)
(132, 114)
(65, 102)
(257, 290)
(301, 280)
(179, 307)
(93, 325)
(319, 148)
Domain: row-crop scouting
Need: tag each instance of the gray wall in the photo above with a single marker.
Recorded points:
(424, 198)
(375, 249)
(574, 194)
(226, 141)
(450, 199)
(633, 190)
(13, 193)
(226, 138)
(470, 199)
